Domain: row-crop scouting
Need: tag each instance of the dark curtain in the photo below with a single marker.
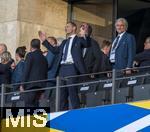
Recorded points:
(139, 25)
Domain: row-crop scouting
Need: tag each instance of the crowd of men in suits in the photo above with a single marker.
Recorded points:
(76, 55)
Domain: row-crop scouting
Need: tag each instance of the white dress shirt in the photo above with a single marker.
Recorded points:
(69, 59)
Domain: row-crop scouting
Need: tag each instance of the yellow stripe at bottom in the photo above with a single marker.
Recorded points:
(143, 104)
(54, 130)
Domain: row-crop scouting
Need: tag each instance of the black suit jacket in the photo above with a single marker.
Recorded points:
(93, 57)
(5, 73)
(76, 51)
(105, 63)
(143, 59)
(35, 68)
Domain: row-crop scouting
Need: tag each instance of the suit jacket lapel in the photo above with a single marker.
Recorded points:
(63, 44)
(62, 47)
(122, 39)
(74, 42)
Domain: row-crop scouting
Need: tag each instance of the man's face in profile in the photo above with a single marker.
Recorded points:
(69, 28)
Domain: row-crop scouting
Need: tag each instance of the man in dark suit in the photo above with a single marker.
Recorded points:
(92, 55)
(123, 48)
(92, 58)
(35, 68)
(143, 59)
(70, 61)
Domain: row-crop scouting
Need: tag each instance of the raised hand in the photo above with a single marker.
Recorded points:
(83, 30)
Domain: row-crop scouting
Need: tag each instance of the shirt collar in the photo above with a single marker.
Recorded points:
(72, 36)
(121, 34)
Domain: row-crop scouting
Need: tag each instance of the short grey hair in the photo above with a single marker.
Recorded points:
(124, 21)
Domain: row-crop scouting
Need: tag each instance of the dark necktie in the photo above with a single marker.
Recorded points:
(66, 50)
(116, 42)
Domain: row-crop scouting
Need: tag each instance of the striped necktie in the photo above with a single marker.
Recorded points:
(116, 42)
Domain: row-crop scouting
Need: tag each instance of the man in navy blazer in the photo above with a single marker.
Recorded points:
(35, 69)
(70, 62)
(123, 48)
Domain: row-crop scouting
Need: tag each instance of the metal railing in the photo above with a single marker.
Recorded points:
(113, 79)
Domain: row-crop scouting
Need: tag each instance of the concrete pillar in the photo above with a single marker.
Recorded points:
(9, 32)
(20, 20)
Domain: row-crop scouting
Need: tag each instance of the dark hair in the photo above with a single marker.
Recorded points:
(105, 44)
(21, 51)
(53, 38)
(73, 24)
(89, 30)
(87, 27)
(35, 43)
